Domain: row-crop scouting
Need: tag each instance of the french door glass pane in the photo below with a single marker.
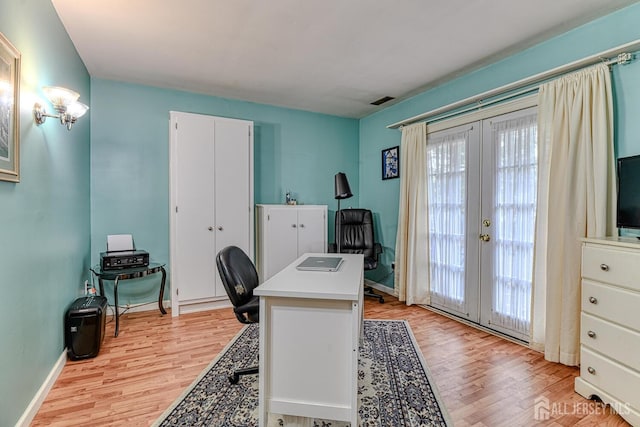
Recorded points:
(447, 206)
(515, 169)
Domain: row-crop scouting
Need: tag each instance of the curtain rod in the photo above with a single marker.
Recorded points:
(622, 57)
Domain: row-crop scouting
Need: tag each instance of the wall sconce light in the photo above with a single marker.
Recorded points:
(65, 102)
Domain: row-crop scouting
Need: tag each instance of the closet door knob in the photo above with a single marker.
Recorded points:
(604, 267)
(301, 225)
(293, 225)
(210, 228)
(220, 228)
(591, 334)
(593, 300)
(591, 370)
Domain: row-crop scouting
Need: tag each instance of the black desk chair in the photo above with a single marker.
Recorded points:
(240, 278)
(354, 234)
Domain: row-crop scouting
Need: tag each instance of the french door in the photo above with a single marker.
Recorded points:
(481, 211)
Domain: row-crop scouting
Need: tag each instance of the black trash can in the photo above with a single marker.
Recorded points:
(85, 323)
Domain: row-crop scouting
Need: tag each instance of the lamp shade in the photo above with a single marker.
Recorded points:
(343, 191)
(77, 109)
(60, 97)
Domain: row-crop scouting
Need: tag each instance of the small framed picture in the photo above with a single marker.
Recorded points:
(390, 163)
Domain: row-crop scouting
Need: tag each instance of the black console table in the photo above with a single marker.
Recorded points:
(125, 274)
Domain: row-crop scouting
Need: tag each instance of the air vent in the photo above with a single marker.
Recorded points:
(382, 100)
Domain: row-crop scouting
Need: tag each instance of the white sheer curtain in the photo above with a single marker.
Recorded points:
(447, 204)
(412, 251)
(576, 194)
(515, 182)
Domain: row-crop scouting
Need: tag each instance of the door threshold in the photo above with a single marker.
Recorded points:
(477, 326)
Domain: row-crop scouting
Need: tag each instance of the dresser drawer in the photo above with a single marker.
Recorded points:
(616, 342)
(619, 381)
(615, 304)
(616, 266)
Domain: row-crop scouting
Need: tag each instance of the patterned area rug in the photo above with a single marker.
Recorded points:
(394, 387)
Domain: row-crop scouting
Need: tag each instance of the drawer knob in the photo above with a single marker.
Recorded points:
(593, 300)
(591, 334)
(604, 267)
(591, 370)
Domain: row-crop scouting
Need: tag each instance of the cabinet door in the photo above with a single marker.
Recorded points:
(281, 241)
(232, 212)
(312, 233)
(194, 261)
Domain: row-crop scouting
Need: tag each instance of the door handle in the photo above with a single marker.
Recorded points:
(486, 223)
(210, 228)
(485, 237)
(301, 225)
(220, 228)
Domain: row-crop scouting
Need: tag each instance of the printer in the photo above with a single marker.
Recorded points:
(121, 253)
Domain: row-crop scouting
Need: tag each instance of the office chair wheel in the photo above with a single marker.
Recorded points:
(233, 379)
(381, 300)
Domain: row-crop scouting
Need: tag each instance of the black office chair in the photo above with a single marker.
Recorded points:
(354, 235)
(240, 278)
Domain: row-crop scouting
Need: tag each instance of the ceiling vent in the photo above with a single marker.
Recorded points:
(382, 100)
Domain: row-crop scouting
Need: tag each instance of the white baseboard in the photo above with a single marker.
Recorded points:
(31, 411)
(380, 287)
(194, 307)
(185, 307)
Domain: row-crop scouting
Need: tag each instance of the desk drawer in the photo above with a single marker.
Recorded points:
(616, 342)
(619, 381)
(609, 302)
(618, 267)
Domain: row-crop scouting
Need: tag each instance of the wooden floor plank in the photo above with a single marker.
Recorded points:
(484, 380)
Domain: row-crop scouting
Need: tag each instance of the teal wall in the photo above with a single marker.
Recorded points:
(79, 186)
(44, 238)
(599, 35)
(293, 150)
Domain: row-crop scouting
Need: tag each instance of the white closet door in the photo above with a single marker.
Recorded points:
(311, 230)
(231, 188)
(193, 266)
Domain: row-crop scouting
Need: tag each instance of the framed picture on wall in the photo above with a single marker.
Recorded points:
(9, 111)
(390, 163)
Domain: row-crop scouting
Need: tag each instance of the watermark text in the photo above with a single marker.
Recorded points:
(544, 409)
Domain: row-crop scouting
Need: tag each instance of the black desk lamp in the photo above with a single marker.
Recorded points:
(342, 191)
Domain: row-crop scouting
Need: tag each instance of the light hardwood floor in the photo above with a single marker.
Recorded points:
(483, 380)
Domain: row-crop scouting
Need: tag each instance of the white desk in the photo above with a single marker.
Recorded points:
(310, 324)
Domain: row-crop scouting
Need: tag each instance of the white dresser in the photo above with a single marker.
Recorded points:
(610, 324)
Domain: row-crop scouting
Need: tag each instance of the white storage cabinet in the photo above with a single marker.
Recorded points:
(284, 232)
(211, 175)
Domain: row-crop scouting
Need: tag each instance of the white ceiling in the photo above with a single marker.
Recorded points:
(328, 56)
